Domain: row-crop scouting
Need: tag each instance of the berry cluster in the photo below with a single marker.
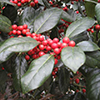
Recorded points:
(54, 72)
(21, 2)
(91, 29)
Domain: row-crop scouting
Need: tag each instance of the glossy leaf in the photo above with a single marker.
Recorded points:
(28, 16)
(97, 10)
(19, 68)
(79, 26)
(39, 71)
(11, 45)
(90, 8)
(93, 85)
(73, 58)
(10, 12)
(47, 20)
(5, 24)
(88, 46)
(64, 79)
(67, 17)
(8, 2)
(93, 59)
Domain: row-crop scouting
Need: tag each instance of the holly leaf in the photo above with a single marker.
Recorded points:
(39, 71)
(73, 57)
(97, 10)
(88, 46)
(10, 12)
(12, 45)
(5, 24)
(79, 26)
(47, 20)
(19, 68)
(93, 84)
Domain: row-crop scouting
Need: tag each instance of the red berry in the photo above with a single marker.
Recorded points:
(98, 1)
(63, 45)
(55, 40)
(32, 4)
(77, 80)
(50, 2)
(24, 31)
(27, 57)
(15, 1)
(57, 51)
(83, 90)
(56, 69)
(92, 31)
(54, 45)
(45, 42)
(19, 4)
(18, 32)
(66, 40)
(25, 26)
(77, 12)
(22, 1)
(59, 44)
(2, 68)
(50, 42)
(97, 27)
(34, 56)
(41, 53)
(36, 1)
(56, 61)
(14, 27)
(48, 48)
(41, 38)
(53, 73)
(71, 43)
(20, 28)
(77, 91)
(41, 47)
(14, 32)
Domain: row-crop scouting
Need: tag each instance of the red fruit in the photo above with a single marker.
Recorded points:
(53, 73)
(50, 42)
(59, 44)
(45, 42)
(3, 68)
(77, 12)
(19, 4)
(28, 34)
(14, 32)
(97, 27)
(92, 31)
(32, 4)
(41, 47)
(14, 27)
(54, 45)
(83, 90)
(57, 51)
(25, 26)
(24, 31)
(20, 36)
(71, 43)
(20, 28)
(36, 1)
(65, 8)
(48, 48)
(12, 37)
(63, 45)
(34, 56)
(55, 40)
(66, 40)
(56, 61)
(98, 1)
(15, 1)
(18, 32)
(41, 53)
(27, 57)
(77, 80)
(41, 38)
(22, 1)
(56, 69)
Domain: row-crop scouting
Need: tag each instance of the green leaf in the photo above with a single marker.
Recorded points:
(10, 12)
(73, 58)
(97, 10)
(93, 59)
(19, 69)
(67, 17)
(90, 8)
(64, 79)
(79, 26)
(28, 16)
(5, 24)
(93, 85)
(8, 2)
(39, 71)
(88, 46)
(47, 20)
(11, 45)
(3, 79)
